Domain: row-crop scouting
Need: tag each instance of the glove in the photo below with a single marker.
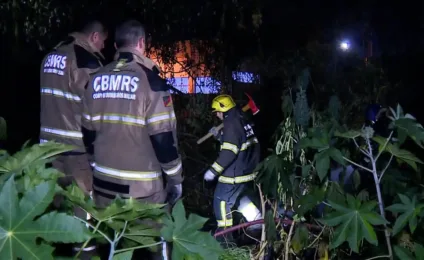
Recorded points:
(209, 176)
(174, 193)
(214, 131)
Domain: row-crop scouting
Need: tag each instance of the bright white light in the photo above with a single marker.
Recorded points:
(344, 46)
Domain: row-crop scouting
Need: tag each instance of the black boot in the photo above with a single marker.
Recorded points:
(227, 240)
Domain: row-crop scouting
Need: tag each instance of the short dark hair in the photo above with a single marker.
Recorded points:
(129, 33)
(93, 26)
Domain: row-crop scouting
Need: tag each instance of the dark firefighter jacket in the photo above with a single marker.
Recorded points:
(129, 107)
(64, 73)
(240, 151)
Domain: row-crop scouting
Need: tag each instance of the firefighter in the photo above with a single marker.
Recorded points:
(64, 73)
(129, 110)
(234, 168)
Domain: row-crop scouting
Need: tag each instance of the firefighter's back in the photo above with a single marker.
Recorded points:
(62, 89)
(249, 154)
(125, 159)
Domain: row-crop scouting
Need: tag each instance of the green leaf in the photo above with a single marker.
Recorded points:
(127, 255)
(419, 251)
(142, 234)
(409, 127)
(270, 227)
(349, 134)
(353, 221)
(403, 253)
(305, 170)
(300, 238)
(313, 143)
(400, 154)
(363, 195)
(275, 171)
(394, 182)
(322, 164)
(308, 201)
(35, 154)
(410, 210)
(19, 230)
(336, 155)
(356, 179)
(186, 238)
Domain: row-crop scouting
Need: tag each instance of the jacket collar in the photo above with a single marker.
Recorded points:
(138, 57)
(230, 113)
(82, 41)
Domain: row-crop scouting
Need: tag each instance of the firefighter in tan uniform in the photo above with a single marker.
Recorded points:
(64, 73)
(129, 109)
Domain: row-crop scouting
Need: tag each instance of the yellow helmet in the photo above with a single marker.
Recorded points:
(222, 103)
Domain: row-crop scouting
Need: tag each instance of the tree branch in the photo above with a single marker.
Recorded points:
(358, 165)
(93, 227)
(384, 146)
(385, 168)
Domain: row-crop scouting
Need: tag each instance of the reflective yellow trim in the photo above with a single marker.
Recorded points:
(224, 222)
(229, 146)
(60, 93)
(175, 170)
(238, 179)
(127, 175)
(249, 143)
(218, 168)
(62, 133)
(160, 118)
(116, 118)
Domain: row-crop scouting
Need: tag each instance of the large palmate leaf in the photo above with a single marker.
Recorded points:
(127, 255)
(19, 230)
(353, 221)
(408, 126)
(321, 141)
(405, 254)
(119, 210)
(348, 134)
(300, 238)
(275, 170)
(410, 209)
(186, 238)
(32, 160)
(400, 154)
(308, 201)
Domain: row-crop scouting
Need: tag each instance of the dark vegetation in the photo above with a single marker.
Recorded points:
(293, 47)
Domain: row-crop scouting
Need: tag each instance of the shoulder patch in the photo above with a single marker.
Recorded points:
(155, 81)
(85, 59)
(167, 101)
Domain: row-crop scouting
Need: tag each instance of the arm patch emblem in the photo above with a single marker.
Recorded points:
(167, 101)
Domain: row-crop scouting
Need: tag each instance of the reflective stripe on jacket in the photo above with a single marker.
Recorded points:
(240, 151)
(129, 107)
(64, 73)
